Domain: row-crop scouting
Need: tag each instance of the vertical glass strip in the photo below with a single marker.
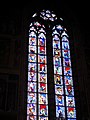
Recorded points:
(58, 75)
(32, 76)
(68, 79)
(42, 76)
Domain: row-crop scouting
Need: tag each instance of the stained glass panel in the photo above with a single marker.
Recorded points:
(37, 94)
(64, 90)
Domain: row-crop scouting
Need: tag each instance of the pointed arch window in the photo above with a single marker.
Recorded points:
(38, 99)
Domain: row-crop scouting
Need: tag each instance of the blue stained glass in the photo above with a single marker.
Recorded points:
(56, 37)
(31, 109)
(64, 34)
(59, 90)
(31, 57)
(31, 97)
(43, 118)
(42, 40)
(37, 73)
(60, 100)
(66, 53)
(65, 45)
(55, 32)
(31, 76)
(60, 112)
(66, 62)
(56, 44)
(57, 61)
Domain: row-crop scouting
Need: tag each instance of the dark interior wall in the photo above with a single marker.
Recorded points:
(14, 23)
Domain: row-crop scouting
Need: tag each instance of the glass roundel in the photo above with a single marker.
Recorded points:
(48, 15)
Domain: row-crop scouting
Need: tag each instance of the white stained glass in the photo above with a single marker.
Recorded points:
(64, 34)
(42, 77)
(31, 86)
(59, 90)
(31, 98)
(60, 112)
(32, 49)
(34, 15)
(57, 61)
(32, 76)
(70, 101)
(41, 30)
(31, 109)
(47, 11)
(32, 67)
(43, 99)
(32, 117)
(48, 15)
(65, 39)
(56, 37)
(57, 70)
(52, 19)
(59, 27)
(55, 32)
(31, 57)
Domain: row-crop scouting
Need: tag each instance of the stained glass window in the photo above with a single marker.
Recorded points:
(37, 95)
(63, 80)
(37, 90)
